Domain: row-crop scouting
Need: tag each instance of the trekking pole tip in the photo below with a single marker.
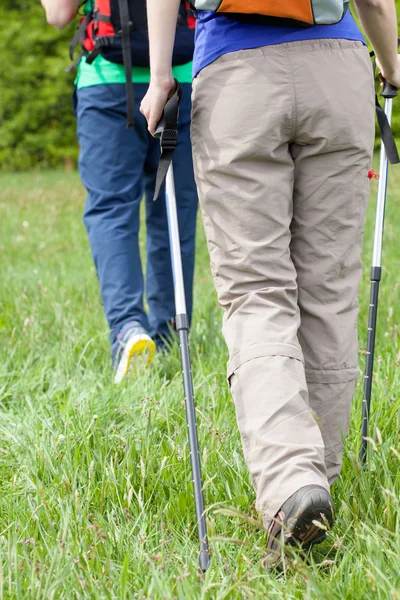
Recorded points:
(204, 560)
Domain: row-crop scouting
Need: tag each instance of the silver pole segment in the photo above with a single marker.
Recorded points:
(374, 294)
(176, 259)
(381, 195)
(182, 327)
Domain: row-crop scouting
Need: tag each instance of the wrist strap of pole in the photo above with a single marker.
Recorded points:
(384, 126)
(167, 132)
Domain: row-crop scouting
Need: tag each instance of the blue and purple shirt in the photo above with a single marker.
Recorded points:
(217, 35)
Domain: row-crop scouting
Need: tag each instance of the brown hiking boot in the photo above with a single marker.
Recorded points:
(303, 520)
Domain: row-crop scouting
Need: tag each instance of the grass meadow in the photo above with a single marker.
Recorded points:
(95, 488)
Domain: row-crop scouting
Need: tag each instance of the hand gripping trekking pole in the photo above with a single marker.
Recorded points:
(168, 134)
(388, 93)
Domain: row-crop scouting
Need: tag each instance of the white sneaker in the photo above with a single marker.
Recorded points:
(132, 348)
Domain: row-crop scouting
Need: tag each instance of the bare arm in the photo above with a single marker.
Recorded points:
(162, 17)
(60, 12)
(379, 20)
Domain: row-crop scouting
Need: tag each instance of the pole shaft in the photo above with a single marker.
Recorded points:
(182, 326)
(375, 279)
(381, 196)
(175, 245)
(369, 366)
(194, 449)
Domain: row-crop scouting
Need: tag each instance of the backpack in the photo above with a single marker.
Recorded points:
(300, 12)
(117, 30)
(100, 32)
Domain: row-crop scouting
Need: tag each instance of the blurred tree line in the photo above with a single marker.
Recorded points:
(37, 124)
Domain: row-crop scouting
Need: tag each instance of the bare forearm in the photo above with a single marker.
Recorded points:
(379, 20)
(162, 17)
(60, 12)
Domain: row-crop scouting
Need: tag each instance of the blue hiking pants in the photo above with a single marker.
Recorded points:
(118, 166)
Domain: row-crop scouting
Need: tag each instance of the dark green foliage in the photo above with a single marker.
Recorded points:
(37, 125)
(36, 117)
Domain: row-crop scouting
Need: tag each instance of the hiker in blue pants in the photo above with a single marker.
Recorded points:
(118, 165)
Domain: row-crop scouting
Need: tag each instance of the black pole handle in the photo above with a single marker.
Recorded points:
(167, 132)
(170, 113)
(389, 91)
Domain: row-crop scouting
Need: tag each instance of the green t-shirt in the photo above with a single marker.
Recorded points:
(102, 71)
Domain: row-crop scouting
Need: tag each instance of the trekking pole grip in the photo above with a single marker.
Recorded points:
(389, 91)
(169, 118)
(167, 133)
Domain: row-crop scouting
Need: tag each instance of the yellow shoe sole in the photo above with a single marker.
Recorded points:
(139, 351)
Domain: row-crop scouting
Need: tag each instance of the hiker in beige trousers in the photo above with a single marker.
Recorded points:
(282, 139)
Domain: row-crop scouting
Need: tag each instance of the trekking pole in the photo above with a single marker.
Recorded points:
(388, 93)
(182, 326)
(167, 131)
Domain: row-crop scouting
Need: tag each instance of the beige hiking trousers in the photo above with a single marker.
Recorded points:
(282, 140)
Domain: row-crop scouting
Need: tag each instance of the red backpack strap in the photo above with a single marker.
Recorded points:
(102, 18)
(190, 16)
(90, 26)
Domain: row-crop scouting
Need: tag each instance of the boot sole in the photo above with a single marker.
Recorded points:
(303, 526)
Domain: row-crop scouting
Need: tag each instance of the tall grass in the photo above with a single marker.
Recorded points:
(95, 488)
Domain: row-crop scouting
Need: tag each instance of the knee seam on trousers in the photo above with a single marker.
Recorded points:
(332, 375)
(260, 350)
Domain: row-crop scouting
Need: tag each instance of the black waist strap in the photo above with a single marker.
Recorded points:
(127, 56)
(79, 36)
